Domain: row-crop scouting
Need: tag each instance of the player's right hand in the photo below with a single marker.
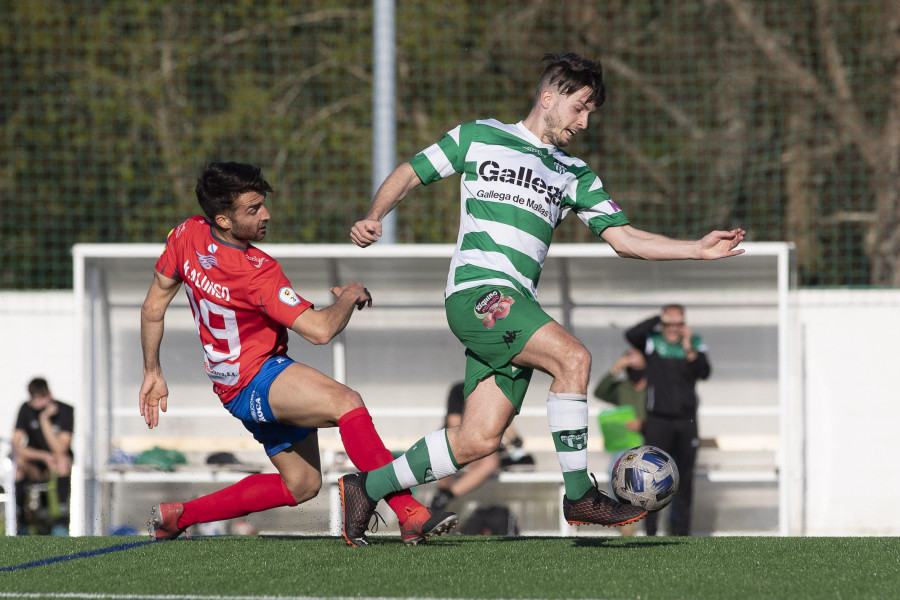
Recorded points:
(366, 232)
(153, 397)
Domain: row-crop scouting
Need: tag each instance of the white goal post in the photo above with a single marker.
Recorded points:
(402, 358)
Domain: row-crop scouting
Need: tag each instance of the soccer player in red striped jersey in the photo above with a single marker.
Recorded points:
(243, 306)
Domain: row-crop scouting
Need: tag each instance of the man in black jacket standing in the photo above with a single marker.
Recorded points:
(676, 359)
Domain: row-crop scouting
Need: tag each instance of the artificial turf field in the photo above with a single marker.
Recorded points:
(294, 567)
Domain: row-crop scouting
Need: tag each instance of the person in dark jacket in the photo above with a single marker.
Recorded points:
(676, 359)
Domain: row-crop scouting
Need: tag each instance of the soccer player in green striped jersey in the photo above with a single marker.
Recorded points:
(516, 186)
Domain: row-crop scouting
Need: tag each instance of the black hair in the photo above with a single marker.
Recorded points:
(221, 183)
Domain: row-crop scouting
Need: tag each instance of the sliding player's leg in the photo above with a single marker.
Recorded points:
(299, 479)
(305, 397)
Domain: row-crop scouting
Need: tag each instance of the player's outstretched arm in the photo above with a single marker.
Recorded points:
(320, 326)
(367, 231)
(154, 393)
(629, 242)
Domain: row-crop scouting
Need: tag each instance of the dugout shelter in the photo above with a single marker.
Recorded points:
(402, 358)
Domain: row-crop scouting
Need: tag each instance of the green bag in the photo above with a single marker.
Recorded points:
(615, 435)
(163, 459)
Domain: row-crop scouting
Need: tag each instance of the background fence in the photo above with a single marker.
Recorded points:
(782, 117)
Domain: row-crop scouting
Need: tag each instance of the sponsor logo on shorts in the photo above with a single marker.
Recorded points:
(256, 410)
(492, 307)
(510, 336)
(288, 296)
(574, 439)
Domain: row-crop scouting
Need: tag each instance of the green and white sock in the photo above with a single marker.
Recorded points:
(567, 415)
(427, 460)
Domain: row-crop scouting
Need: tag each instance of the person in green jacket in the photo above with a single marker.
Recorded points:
(625, 384)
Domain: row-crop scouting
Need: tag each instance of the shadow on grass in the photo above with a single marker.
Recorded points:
(446, 541)
(577, 542)
(624, 542)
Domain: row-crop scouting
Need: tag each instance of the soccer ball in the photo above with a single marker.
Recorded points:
(645, 476)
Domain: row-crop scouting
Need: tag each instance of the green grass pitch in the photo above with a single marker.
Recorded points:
(291, 567)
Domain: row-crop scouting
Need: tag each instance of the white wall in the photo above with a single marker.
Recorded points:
(38, 332)
(850, 394)
(852, 404)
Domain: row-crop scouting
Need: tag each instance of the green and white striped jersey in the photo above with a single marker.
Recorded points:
(514, 191)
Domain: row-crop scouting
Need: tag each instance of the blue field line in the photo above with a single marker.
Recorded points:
(56, 559)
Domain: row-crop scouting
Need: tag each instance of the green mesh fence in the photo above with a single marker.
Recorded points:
(779, 116)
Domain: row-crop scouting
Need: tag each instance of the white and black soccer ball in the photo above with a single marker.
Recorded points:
(645, 476)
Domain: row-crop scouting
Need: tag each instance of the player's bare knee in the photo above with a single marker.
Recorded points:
(475, 448)
(582, 363)
(347, 400)
(305, 489)
(576, 369)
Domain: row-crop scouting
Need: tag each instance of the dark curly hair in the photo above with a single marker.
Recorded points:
(221, 183)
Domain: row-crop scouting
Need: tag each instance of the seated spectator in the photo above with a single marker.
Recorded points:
(42, 445)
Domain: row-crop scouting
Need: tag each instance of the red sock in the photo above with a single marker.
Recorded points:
(365, 448)
(251, 494)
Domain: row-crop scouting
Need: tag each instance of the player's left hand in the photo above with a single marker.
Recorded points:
(363, 297)
(721, 244)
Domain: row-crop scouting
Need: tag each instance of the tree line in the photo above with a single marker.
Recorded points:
(780, 117)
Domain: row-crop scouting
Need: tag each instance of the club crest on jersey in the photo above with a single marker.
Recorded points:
(288, 296)
(207, 261)
(492, 307)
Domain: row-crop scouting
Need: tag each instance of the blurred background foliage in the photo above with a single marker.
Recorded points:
(779, 116)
